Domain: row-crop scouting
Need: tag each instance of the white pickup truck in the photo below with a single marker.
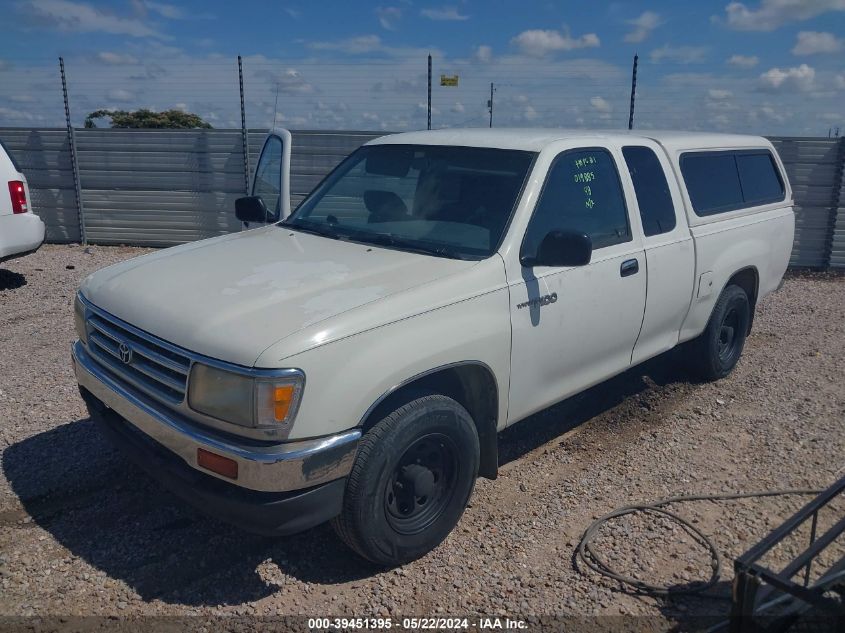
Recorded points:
(355, 360)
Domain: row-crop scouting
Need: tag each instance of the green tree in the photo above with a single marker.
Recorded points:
(145, 118)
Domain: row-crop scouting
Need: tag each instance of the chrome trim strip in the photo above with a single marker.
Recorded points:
(266, 467)
(106, 335)
(158, 376)
(143, 350)
(151, 391)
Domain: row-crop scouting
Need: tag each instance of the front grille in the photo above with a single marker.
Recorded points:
(143, 361)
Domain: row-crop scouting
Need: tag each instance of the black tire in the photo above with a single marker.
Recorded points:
(424, 452)
(715, 353)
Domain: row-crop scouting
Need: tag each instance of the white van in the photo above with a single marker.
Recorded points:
(21, 231)
(355, 360)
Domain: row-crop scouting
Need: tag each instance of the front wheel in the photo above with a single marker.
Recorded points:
(412, 478)
(715, 353)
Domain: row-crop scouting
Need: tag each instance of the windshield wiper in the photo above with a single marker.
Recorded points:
(365, 237)
(389, 239)
(325, 230)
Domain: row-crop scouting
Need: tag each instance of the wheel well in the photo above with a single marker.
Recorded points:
(749, 280)
(473, 385)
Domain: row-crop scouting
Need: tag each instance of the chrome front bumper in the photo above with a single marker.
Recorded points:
(281, 467)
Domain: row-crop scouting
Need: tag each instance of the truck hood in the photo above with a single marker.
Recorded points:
(234, 296)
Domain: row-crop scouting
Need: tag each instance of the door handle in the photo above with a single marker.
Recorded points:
(629, 267)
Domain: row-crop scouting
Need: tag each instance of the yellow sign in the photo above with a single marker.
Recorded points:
(446, 80)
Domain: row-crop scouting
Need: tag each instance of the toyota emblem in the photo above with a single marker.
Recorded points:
(125, 353)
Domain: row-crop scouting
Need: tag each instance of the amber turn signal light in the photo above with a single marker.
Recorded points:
(217, 463)
(282, 399)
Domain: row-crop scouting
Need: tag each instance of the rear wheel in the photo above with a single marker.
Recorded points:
(412, 478)
(715, 353)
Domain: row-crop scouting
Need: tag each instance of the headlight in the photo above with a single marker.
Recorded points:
(79, 319)
(256, 401)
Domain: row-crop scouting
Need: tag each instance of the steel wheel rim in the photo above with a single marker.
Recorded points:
(729, 335)
(422, 484)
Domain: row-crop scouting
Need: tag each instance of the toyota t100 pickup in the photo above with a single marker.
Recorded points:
(354, 360)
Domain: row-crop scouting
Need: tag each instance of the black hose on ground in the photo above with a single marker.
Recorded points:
(587, 554)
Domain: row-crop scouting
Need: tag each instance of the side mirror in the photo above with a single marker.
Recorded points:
(561, 248)
(252, 209)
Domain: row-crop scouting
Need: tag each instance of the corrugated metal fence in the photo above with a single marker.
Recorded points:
(814, 167)
(164, 187)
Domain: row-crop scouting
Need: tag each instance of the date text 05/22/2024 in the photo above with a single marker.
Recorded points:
(417, 624)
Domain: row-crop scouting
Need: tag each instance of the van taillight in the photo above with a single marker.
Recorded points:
(18, 195)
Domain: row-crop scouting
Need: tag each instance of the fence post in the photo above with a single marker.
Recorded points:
(80, 210)
(429, 92)
(244, 135)
(633, 93)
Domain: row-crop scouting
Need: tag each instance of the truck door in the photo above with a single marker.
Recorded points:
(271, 181)
(669, 250)
(572, 327)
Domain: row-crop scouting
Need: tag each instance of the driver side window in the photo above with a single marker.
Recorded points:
(268, 175)
(582, 193)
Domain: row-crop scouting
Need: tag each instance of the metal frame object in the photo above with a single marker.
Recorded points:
(756, 588)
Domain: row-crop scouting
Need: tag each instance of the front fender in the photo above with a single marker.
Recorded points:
(344, 378)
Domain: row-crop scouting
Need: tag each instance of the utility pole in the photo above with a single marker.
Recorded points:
(74, 158)
(244, 135)
(633, 93)
(490, 104)
(429, 91)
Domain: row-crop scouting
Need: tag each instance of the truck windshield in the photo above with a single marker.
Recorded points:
(441, 200)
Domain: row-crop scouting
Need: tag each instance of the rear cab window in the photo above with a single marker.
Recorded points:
(722, 181)
(657, 210)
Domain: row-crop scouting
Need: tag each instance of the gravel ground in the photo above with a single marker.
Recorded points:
(84, 533)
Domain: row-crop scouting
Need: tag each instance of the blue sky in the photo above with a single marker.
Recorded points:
(766, 66)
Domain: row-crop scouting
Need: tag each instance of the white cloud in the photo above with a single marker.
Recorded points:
(165, 10)
(772, 114)
(839, 81)
(19, 116)
(4, 65)
(116, 59)
(540, 42)
(643, 26)
(771, 14)
(458, 108)
(294, 13)
(483, 54)
(679, 54)
(448, 14)
(388, 17)
(119, 94)
(79, 17)
(289, 81)
(702, 80)
(743, 61)
(800, 78)
(814, 42)
(601, 105)
(360, 44)
(529, 113)
(168, 11)
(719, 95)
(364, 44)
